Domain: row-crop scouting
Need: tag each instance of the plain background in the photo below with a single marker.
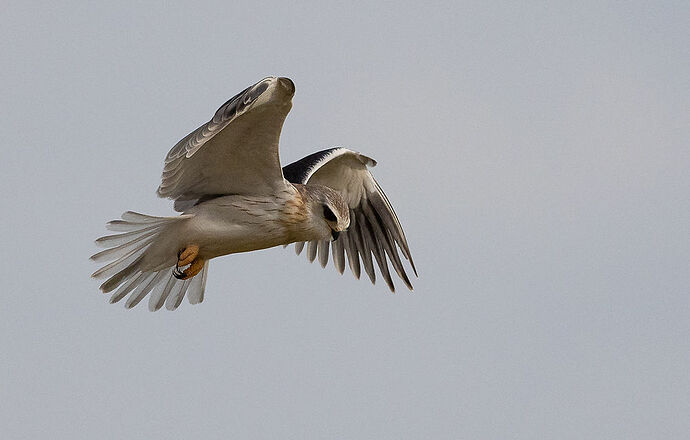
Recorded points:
(536, 153)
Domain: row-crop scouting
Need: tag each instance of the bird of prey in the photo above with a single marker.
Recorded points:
(226, 179)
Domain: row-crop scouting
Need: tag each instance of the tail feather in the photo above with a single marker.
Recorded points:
(121, 263)
(146, 280)
(124, 272)
(121, 250)
(195, 293)
(141, 218)
(125, 226)
(118, 239)
(175, 298)
(127, 287)
(157, 298)
(139, 294)
(111, 283)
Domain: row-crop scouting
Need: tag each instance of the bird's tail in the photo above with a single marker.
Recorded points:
(126, 251)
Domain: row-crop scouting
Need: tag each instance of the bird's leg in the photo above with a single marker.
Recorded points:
(188, 255)
(192, 270)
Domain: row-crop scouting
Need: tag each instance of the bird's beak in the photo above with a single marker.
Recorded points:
(334, 235)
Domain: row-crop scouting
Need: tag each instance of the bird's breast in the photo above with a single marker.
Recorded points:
(233, 224)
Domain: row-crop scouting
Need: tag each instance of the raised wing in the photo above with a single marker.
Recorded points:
(236, 152)
(374, 226)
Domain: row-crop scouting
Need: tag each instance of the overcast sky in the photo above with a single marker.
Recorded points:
(537, 155)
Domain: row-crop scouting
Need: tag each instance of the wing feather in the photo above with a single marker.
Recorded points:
(374, 242)
(338, 255)
(323, 252)
(298, 247)
(311, 250)
(236, 152)
(374, 234)
(358, 230)
(352, 253)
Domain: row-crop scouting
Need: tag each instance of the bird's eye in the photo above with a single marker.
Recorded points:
(328, 214)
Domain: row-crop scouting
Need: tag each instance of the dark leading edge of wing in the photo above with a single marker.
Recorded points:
(299, 171)
(374, 227)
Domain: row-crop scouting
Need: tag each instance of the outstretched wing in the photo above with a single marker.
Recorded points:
(236, 152)
(374, 227)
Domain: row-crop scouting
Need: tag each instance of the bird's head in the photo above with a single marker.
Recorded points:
(329, 213)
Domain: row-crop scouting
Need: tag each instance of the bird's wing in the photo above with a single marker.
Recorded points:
(236, 152)
(374, 227)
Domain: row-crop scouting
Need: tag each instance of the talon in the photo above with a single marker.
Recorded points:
(187, 255)
(177, 273)
(194, 268)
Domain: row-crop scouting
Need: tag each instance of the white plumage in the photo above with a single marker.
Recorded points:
(226, 179)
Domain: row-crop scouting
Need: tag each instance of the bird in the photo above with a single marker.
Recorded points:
(233, 196)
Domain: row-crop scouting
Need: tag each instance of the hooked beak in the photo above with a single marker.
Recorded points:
(334, 235)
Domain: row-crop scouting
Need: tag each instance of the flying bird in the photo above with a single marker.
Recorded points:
(226, 180)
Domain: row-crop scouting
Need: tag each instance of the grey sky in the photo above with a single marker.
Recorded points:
(537, 156)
